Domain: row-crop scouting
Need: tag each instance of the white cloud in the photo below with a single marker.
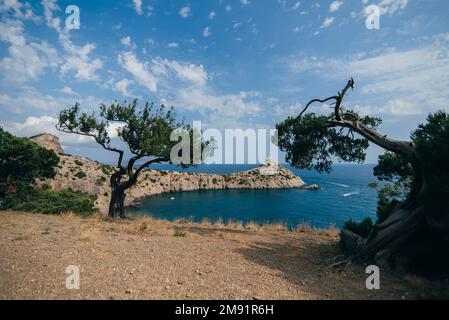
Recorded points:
(68, 90)
(392, 6)
(228, 7)
(296, 5)
(327, 22)
(76, 57)
(28, 99)
(184, 12)
(173, 45)
(207, 32)
(335, 5)
(26, 61)
(127, 42)
(192, 73)
(216, 107)
(138, 6)
(410, 81)
(19, 10)
(245, 2)
(212, 15)
(46, 124)
(79, 62)
(141, 71)
(162, 71)
(122, 87)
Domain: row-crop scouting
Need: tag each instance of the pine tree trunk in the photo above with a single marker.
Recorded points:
(117, 203)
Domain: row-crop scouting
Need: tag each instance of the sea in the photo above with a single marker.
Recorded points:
(344, 194)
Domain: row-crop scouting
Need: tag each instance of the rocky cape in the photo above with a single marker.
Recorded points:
(92, 177)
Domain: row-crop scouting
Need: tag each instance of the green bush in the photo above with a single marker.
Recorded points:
(80, 174)
(107, 170)
(79, 163)
(373, 185)
(362, 228)
(56, 202)
(22, 162)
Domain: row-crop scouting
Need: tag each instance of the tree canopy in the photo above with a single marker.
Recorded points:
(147, 132)
(22, 161)
(413, 207)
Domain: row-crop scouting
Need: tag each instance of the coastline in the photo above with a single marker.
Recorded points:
(90, 176)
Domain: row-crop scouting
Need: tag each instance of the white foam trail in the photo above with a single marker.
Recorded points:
(339, 184)
(351, 193)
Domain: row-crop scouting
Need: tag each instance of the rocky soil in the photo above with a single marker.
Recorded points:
(152, 259)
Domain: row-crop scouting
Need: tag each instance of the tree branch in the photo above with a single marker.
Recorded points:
(349, 85)
(402, 147)
(97, 139)
(315, 100)
(150, 162)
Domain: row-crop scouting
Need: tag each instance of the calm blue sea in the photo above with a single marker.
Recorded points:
(345, 194)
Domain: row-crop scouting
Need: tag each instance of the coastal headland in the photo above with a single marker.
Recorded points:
(90, 176)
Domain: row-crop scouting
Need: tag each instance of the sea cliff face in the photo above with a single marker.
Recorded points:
(93, 177)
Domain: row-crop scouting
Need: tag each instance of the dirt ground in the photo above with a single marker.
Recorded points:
(153, 259)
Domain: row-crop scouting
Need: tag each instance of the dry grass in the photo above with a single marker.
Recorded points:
(219, 224)
(141, 224)
(69, 216)
(89, 234)
(332, 231)
(179, 232)
(205, 222)
(235, 225)
(275, 227)
(252, 226)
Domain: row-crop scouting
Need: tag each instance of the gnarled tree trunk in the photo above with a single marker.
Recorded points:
(406, 236)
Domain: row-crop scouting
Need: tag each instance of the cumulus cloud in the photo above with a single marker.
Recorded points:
(207, 32)
(327, 22)
(127, 42)
(392, 6)
(184, 12)
(122, 87)
(216, 107)
(77, 58)
(138, 6)
(26, 60)
(184, 71)
(296, 5)
(68, 90)
(29, 99)
(414, 81)
(19, 10)
(140, 71)
(335, 5)
(46, 124)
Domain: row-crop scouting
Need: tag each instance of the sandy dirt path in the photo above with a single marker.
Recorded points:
(151, 259)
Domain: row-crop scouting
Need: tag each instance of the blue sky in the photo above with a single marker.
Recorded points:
(230, 64)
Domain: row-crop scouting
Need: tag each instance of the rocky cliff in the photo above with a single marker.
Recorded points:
(93, 177)
(48, 141)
